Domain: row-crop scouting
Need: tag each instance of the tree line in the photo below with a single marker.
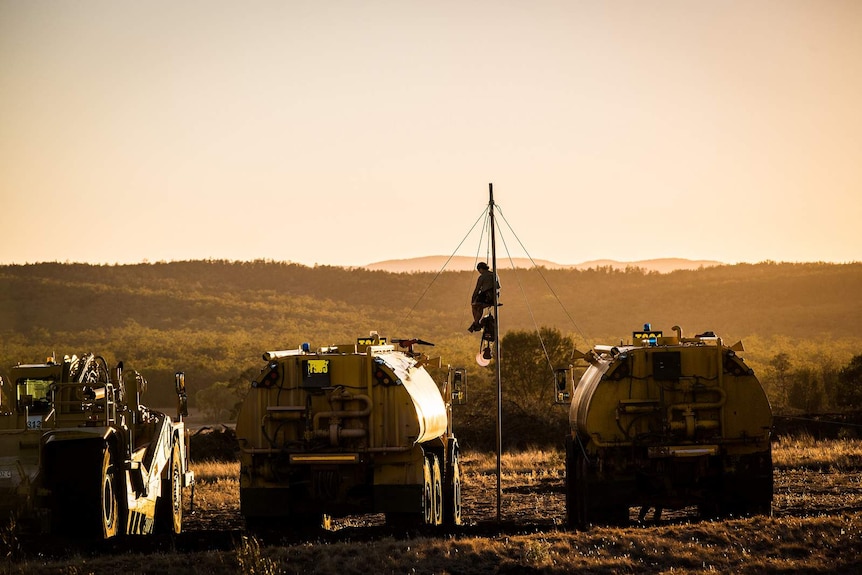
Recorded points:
(213, 319)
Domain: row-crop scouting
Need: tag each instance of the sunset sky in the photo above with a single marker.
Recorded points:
(349, 132)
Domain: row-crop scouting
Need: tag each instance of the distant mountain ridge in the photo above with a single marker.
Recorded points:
(463, 263)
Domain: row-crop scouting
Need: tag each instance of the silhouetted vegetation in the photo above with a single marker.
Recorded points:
(213, 319)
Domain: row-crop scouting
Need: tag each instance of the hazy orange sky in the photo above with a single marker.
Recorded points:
(345, 133)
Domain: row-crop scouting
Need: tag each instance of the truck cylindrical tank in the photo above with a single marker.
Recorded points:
(347, 429)
(669, 423)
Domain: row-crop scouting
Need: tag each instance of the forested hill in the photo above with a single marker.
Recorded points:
(796, 300)
(215, 317)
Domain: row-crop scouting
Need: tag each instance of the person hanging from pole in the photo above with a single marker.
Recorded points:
(483, 294)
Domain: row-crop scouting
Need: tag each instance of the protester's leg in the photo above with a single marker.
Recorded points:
(478, 310)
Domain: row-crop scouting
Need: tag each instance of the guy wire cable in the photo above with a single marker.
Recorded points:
(527, 301)
(443, 267)
(577, 328)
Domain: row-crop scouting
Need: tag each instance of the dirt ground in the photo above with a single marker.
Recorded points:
(816, 527)
(531, 502)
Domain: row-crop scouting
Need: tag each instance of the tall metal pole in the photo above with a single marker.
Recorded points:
(497, 355)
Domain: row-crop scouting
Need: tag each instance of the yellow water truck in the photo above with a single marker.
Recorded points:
(350, 429)
(665, 422)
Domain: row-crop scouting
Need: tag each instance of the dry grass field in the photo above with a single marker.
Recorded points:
(816, 527)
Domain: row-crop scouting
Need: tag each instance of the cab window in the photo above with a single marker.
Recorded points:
(34, 394)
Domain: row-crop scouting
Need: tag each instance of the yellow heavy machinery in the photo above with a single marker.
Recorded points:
(665, 423)
(80, 456)
(350, 429)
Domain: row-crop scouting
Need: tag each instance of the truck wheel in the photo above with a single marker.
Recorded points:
(573, 509)
(110, 516)
(425, 515)
(452, 493)
(589, 498)
(427, 494)
(436, 492)
(761, 503)
(575, 486)
(610, 508)
(169, 507)
(579, 490)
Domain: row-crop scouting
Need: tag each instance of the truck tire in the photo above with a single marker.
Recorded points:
(452, 490)
(436, 492)
(425, 515)
(576, 504)
(109, 506)
(169, 507)
(427, 493)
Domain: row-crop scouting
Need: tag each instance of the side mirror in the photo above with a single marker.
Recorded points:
(182, 399)
(458, 387)
(562, 377)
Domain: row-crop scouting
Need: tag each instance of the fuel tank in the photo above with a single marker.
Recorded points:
(670, 391)
(336, 398)
(350, 429)
(667, 423)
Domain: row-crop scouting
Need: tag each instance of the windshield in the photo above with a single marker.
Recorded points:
(35, 394)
